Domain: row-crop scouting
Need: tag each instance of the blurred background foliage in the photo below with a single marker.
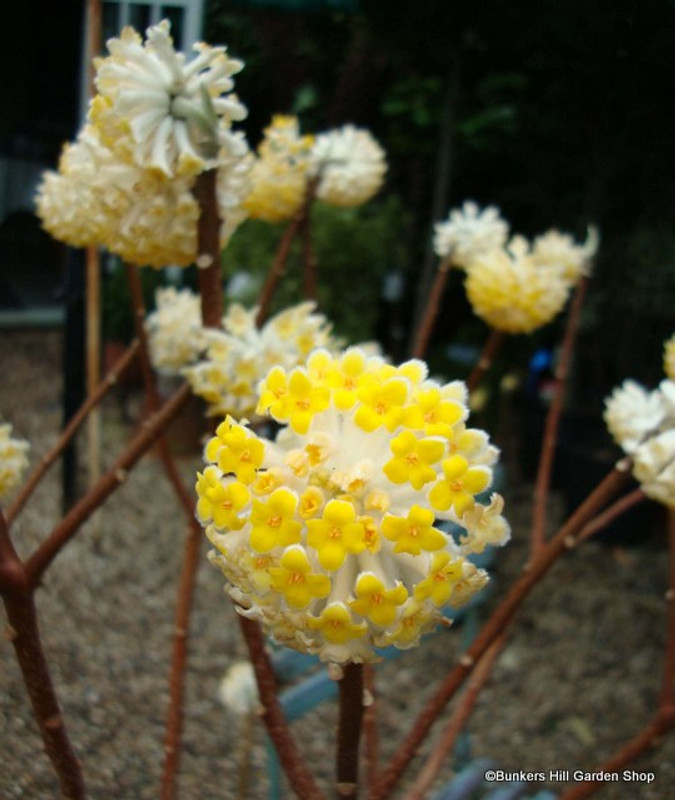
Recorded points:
(556, 112)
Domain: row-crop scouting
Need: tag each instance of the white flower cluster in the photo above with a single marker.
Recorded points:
(328, 534)
(349, 164)
(13, 459)
(127, 182)
(238, 357)
(469, 232)
(642, 422)
(513, 285)
(175, 333)
(179, 114)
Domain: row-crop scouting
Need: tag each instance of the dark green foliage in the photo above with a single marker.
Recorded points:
(355, 248)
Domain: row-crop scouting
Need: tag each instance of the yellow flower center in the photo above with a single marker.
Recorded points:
(245, 456)
(334, 533)
(412, 458)
(296, 577)
(274, 522)
(414, 532)
(457, 486)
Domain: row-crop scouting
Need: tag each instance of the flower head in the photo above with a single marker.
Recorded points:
(470, 232)
(279, 176)
(237, 358)
(558, 251)
(509, 291)
(349, 164)
(341, 550)
(175, 329)
(13, 459)
(167, 113)
(643, 424)
(96, 198)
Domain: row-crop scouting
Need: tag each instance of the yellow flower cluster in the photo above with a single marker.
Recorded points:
(279, 175)
(13, 459)
(521, 287)
(157, 122)
(330, 534)
(237, 358)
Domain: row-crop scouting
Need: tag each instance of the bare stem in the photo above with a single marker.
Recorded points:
(664, 719)
(667, 699)
(105, 486)
(426, 326)
(370, 731)
(548, 447)
(208, 249)
(533, 572)
(174, 722)
(308, 254)
(71, 429)
(295, 768)
(457, 721)
(610, 514)
(298, 225)
(487, 356)
(350, 716)
(23, 631)
(647, 738)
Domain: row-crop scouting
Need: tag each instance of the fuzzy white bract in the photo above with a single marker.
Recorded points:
(328, 535)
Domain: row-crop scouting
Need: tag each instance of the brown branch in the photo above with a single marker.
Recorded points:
(610, 514)
(105, 486)
(91, 402)
(665, 716)
(299, 225)
(189, 563)
(533, 572)
(278, 268)
(209, 275)
(457, 721)
(370, 731)
(426, 326)
(549, 441)
(299, 776)
(23, 631)
(667, 698)
(487, 356)
(308, 255)
(648, 737)
(350, 716)
(174, 722)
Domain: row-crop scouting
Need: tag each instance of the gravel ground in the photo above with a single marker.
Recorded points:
(579, 676)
